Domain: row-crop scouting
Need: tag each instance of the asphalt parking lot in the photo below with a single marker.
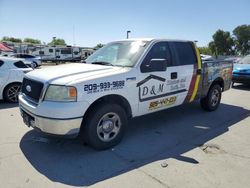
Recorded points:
(179, 147)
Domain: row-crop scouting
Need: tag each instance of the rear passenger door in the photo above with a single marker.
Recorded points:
(163, 89)
(188, 69)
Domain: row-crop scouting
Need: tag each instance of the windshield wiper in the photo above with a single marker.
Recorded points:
(102, 63)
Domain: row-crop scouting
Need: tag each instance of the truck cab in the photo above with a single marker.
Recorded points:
(122, 80)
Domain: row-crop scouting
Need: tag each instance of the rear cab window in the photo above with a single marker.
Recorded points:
(183, 53)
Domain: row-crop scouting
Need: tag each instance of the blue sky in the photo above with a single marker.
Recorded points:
(101, 21)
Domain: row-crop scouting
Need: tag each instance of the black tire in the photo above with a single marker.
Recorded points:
(93, 127)
(35, 64)
(10, 93)
(232, 84)
(212, 101)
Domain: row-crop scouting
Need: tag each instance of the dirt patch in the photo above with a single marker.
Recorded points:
(211, 149)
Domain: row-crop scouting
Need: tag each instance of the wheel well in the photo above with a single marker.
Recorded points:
(9, 85)
(218, 81)
(117, 99)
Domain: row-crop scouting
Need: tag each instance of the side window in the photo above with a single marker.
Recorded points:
(20, 64)
(41, 52)
(183, 53)
(159, 51)
(28, 56)
(50, 50)
(66, 51)
(1, 63)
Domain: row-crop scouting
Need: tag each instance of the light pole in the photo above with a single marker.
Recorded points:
(128, 34)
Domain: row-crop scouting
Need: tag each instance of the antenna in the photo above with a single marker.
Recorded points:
(74, 35)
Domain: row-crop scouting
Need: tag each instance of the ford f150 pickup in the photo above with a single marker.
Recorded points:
(123, 79)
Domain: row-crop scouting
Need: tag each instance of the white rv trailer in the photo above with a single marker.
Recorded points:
(58, 53)
(86, 52)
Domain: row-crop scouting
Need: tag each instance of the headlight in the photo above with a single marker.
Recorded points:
(61, 93)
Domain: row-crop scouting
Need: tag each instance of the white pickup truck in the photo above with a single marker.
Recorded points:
(124, 79)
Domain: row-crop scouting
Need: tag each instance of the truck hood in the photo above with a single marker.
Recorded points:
(73, 73)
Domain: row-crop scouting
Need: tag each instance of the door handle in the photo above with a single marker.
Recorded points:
(199, 71)
(174, 75)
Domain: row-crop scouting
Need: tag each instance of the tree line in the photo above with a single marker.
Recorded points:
(226, 43)
(223, 43)
(55, 41)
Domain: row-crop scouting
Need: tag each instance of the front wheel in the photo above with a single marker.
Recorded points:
(11, 92)
(104, 126)
(212, 101)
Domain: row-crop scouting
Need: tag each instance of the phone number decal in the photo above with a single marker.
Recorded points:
(104, 86)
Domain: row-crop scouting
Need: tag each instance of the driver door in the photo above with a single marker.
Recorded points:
(160, 88)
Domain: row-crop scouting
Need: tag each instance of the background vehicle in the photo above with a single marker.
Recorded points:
(29, 59)
(233, 59)
(121, 80)
(241, 71)
(58, 53)
(206, 57)
(11, 75)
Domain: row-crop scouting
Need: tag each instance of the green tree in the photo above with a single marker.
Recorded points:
(57, 41)
(12, 39)
(98, 46)
(222, 44)
(32, 41)
(212, 47)
(205, 50)
(242, 39)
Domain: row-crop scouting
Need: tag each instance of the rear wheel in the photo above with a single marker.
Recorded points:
(11, 92)
(104, 126)
(35, 64)
(212, 101)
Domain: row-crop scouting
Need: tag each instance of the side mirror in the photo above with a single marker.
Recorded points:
(155, 65)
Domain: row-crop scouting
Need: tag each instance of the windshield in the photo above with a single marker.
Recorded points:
(245, 60)
(125, 53)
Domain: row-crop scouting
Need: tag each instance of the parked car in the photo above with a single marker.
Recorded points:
(206, 57)
(11, 75)
(233, 59)
(124, 79)
(35, 61)
(241, 71)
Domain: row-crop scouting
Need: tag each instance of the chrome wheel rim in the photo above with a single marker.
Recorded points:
(215, 97)
(108, 127)
(12, 93)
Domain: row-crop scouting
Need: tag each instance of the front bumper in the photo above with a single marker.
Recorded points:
(62, 119)
(62, 127)
(238, 78)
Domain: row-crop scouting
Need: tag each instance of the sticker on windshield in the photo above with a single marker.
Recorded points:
(104, 86)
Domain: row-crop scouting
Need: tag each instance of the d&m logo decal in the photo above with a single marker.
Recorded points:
(155, 90)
